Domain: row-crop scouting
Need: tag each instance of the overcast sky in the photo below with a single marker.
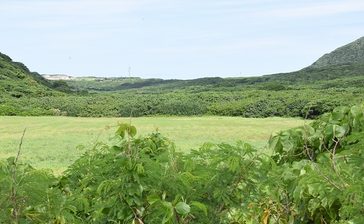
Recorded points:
(175, 39)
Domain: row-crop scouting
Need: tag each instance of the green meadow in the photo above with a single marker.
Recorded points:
(55, 142)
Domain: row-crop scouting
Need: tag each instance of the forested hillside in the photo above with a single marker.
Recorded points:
(17, 81)
(18, 86)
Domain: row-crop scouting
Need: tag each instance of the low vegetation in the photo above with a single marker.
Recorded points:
(313, 174)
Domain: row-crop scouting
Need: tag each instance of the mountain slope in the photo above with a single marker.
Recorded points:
(17, 81)
(352, 53)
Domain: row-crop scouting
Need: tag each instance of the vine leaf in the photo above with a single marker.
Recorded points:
(182, 208)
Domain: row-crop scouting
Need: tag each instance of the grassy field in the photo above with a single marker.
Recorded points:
(54, 142)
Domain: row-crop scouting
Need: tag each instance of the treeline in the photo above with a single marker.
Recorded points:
(307, 103)
(310, 174)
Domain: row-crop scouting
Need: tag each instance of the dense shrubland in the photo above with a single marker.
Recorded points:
(305, 93)
(310, 174)
(235, 102)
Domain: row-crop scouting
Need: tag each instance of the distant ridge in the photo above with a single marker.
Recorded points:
(17, 81)
(352, 53)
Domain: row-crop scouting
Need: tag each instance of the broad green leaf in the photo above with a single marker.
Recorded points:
(339, 131)
(182, 208)
(132, 131)
(121, 130)
(339, 113)
(153, 198)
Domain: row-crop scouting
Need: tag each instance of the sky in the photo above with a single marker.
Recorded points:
(175, 39)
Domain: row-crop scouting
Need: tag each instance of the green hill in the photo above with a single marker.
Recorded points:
(21, 91)
(352, 53)
(342, 65)
(17, 81)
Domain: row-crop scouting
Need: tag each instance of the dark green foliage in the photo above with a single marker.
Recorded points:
(313, 174)
(308, 103)
(136, 181)
(61, 86)
(321, 166)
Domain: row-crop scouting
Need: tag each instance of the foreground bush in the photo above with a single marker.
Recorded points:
(311, 174)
